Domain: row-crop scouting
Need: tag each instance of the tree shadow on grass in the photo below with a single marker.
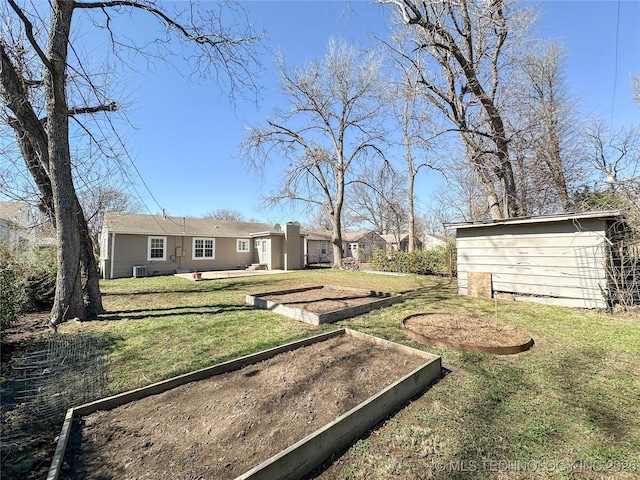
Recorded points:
(582, 376)
(204, 286)
(179, 311)
(508, 416)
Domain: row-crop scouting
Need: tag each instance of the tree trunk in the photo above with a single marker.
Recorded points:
(90, 278)
(34, 145)
(68, 301)
(336, 214)
(411, 209)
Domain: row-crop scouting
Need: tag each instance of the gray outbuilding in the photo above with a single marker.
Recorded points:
(571, 259)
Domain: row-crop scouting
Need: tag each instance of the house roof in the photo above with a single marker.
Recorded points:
(603, 215)
(12, 211)
(319, 235)
(392, 237)
(325, 235)
(142, 224)
(355, 236)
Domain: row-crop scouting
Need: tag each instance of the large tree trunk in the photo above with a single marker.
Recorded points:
(336, 214)
(90, 278)
(34, 145)
(68, 301)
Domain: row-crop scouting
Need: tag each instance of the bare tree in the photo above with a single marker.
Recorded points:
(459, 51)
(544, 119)
(45, 141)
(461, 197)
(329, 131)
(614, 156)
(226, 214)
(418, 133)
(320, 219)
(378, 200)
(101, 199)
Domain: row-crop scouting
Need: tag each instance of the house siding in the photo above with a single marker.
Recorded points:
(16, 223)
(125, 239)
(131, 250)
(559, 263)
(314, 251)
(276, 253)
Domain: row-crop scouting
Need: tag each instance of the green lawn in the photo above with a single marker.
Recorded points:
(568, 406)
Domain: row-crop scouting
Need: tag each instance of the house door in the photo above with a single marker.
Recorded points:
(261, 248)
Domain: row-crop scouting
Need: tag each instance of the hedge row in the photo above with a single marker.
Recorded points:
(434, 261)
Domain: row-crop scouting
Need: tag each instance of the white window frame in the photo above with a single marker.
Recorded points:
(150, 240)
(323, 248)
(204, 248)
(243, 245)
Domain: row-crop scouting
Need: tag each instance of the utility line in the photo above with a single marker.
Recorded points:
(615, 70)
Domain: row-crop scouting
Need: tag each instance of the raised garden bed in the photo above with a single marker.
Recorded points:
(279, 413)
(467, 332)
(322, 304)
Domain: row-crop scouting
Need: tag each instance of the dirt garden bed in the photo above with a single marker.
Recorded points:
(322, 304)
(223, 426)
(467, 332)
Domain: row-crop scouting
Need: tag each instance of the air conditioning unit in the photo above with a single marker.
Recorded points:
(140, 271)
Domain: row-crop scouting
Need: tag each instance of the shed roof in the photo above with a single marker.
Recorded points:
(143, 224)
(604, 215)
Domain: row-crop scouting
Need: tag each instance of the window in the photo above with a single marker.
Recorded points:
(242, 245)
(204, 249)
(323, 249)
(156, 249)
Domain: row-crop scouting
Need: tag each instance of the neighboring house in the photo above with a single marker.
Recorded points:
(430, 241)
(318, 248)
(359, 245)
(133, 244)
(16, 223)
(399, 242)
(556, 259)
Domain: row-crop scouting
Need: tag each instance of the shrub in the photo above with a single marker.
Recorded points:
(436, 260)
(27, 281)
(12, 289)
(41, 279)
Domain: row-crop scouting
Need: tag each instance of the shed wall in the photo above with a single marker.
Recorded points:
(559, 263)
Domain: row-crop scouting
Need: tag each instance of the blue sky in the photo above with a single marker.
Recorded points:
(185, 133)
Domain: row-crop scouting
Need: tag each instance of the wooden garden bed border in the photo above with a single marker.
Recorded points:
(311, 451)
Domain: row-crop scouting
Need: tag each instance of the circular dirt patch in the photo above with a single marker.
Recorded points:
(467, 332)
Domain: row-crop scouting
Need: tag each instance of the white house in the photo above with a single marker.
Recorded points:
(16, 222)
